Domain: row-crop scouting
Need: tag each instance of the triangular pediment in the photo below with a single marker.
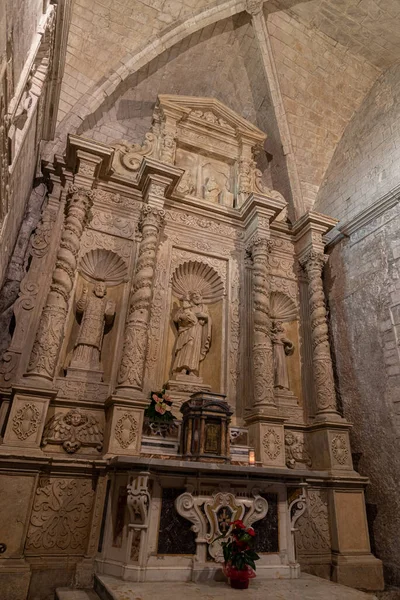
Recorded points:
(212, 112)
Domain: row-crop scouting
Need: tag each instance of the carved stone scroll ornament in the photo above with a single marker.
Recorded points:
(313, 264)
(138, 500)
(136, 337)
(211, 517)
(262, 345)
(45, 351)
(73, 430)
(128, 157)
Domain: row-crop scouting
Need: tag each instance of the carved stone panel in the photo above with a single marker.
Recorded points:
(268, 441)
(313, 536)
(125, 430)
(26, 421)
(61, 515)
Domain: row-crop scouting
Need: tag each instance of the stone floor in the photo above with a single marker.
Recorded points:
(307, 587)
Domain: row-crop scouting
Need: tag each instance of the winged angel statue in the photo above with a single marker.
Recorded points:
(73, 430)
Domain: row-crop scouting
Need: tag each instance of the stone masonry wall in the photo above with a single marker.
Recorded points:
(363, 287)
(366, 163)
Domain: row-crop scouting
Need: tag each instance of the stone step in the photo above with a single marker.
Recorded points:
(68, 594)
(307, 587)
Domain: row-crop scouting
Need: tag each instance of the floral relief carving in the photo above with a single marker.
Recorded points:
(340, 449)
(203, 224)
(126, 430)
(81, 390)
(272, 443)
(110, 198)
(26, 421)
(110, 223)
(60, 517)
(313, 534)
(94, 239)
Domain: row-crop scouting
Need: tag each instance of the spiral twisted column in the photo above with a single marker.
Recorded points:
(49, 336)
(136, 330)
(263, 367)
(313, 263)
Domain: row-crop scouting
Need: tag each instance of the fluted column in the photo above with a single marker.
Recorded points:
(263, 368)
(313, 263)
(49, 336)
(136, 330)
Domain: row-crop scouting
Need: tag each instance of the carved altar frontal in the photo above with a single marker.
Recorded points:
(170, 271)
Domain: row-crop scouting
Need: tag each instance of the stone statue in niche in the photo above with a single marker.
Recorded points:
(282, 347)
(104, 269)
(194, 325)
(96, 312)
(212, 190)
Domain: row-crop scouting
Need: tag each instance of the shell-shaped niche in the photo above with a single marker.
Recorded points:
(103, 265)
(282, 307)
(193, 276)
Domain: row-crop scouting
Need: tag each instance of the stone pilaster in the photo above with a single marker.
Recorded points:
(263, 367)
(131, 371)
(313, 263)
(43, 360)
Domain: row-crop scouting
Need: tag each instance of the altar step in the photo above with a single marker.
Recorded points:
(68, 594)
(307, 587)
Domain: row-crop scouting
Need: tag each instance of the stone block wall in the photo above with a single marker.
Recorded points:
(365, 166)
(363, 287)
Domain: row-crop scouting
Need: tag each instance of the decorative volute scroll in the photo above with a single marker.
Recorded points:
(211, 517)
(128, 157)
(49, 336)
(138, 500)
(313, 262)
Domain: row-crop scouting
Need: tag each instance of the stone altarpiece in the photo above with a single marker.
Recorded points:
(173, 264)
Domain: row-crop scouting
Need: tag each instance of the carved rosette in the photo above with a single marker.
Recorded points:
(43, 360)
(262, 345)
(313, 264)
(136, 336)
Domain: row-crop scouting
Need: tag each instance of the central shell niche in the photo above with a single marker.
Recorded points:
(195, 276)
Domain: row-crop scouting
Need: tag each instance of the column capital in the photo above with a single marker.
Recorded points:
(313, 261)
(254, 7)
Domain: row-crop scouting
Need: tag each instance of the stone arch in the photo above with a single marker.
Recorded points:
(93, 100)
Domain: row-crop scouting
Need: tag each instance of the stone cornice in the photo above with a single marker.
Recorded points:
(365, 217)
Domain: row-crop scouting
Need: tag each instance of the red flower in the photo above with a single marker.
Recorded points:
(238, 524)
(251, 531)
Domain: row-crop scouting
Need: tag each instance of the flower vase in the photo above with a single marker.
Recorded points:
(239, 580)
